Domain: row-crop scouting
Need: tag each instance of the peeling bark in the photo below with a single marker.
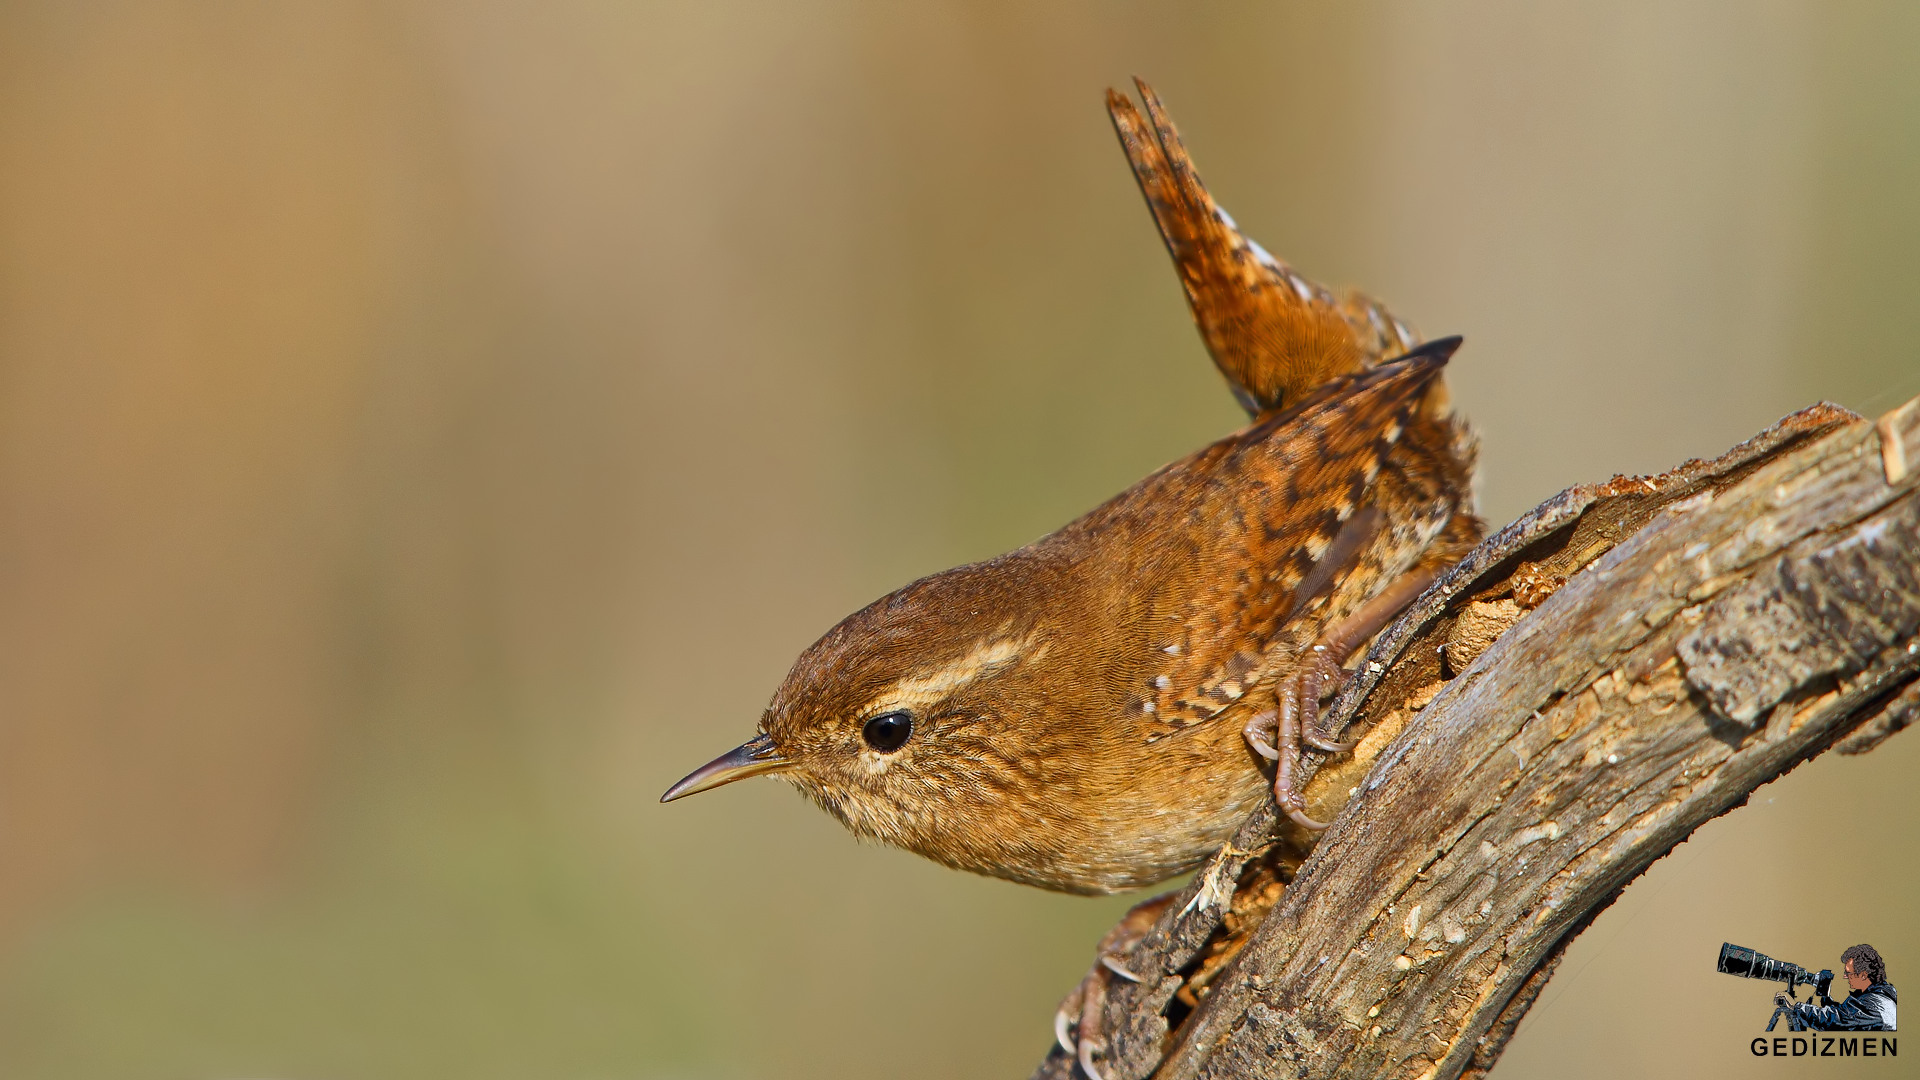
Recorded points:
(1593, 683)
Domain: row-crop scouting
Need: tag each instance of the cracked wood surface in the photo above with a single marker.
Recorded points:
(1680, 641)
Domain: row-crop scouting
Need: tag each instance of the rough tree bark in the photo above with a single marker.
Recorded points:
(1593, 683)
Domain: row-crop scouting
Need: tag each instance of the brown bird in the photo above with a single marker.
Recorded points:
(1095, 711)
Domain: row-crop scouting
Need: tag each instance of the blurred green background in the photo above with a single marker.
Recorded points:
(429, 429)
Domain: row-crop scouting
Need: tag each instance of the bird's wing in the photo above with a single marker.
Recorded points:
(1291, 519)
(1275, 335)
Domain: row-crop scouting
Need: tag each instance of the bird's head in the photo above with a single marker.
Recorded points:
(940, 718)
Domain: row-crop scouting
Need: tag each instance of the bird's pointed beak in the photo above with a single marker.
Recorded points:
(751, 758)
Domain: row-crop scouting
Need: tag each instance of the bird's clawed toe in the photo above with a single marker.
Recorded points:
(1077, 1023)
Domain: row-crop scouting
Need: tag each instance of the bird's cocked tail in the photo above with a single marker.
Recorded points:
(1275, 335)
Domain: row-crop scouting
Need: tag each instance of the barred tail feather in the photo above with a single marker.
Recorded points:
(1275, 335)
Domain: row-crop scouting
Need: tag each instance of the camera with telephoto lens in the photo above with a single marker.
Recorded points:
(1744, 962)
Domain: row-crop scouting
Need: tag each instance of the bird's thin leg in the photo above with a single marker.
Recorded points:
(1281, 726)
(1076, 1025)
(1285, 794)
(1338, 641)
(1320, 668)
(1299, 720)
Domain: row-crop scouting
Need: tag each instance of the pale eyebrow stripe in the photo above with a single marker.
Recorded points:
(984, 658)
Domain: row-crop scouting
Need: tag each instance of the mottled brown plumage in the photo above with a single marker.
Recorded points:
(1084, 713)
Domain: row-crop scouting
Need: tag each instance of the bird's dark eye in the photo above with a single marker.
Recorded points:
(888, 731)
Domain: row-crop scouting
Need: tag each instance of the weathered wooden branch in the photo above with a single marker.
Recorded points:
(1593, 683)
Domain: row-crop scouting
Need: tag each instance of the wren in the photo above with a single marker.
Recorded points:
(1099, 709)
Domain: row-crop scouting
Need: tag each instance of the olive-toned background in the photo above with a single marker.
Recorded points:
(429, 429)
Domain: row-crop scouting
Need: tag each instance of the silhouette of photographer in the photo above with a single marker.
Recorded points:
(1869, 1005)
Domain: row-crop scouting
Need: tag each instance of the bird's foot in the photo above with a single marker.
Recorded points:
(1320, 675)
(1286, 790)
(1077, 1023)
(1296, 719)
(1279, 733)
